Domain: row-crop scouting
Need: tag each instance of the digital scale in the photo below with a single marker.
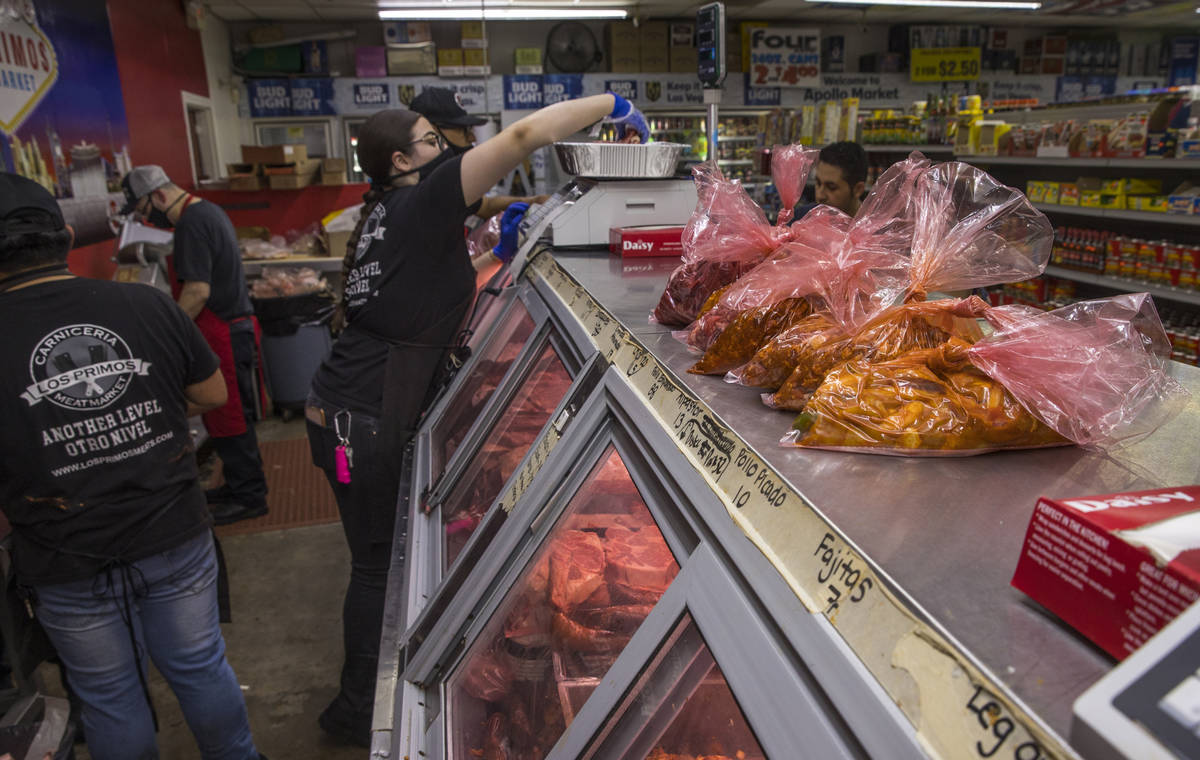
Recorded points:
(1147, 707)
(581, 213)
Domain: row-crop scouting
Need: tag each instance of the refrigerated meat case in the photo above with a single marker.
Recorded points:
(825, 604)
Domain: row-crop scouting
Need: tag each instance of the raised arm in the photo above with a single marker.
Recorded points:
(487, 163)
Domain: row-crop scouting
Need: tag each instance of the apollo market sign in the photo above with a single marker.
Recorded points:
(28, 68)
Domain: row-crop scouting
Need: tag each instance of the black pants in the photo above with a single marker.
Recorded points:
(370, 504)
(241, 461)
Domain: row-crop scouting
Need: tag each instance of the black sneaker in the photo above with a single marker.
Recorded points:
(231, 512)
(350, 729)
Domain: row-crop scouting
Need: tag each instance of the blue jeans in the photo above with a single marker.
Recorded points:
(174, 616)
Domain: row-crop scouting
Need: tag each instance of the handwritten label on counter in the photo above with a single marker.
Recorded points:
(926, 677)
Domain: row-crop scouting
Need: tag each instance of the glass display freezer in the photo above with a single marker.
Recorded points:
(615, 609)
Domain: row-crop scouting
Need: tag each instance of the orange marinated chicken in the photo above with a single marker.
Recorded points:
(747, 333)
(931, 400)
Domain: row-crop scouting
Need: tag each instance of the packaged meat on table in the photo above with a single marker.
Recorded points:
(728, 234)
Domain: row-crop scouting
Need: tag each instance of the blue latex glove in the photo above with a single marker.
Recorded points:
(627, 118)
(510, 226)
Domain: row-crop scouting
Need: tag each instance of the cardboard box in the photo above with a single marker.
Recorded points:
(417, 31)
(654, 34)
(1053, 65)
(625, 61)
(273, 154)
(683, 35)
(293, 175)
(654, 60)
(1050, 192)
(370, 61)
(245, 177)
(527, 60)
(333, 171)
(1116, 567)
(450, 63)
(1068, 194)
(621, 34)
(1184, 199)
(411, 58)
(659, 240)
(684, 61)
(1154, 203)
(472, 35)
(475, 62)
(1035, 191)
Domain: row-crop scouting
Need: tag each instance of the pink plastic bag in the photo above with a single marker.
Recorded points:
(1094, 371)
(727, 235)
(971, 231)
(790, 165)
(484, 238)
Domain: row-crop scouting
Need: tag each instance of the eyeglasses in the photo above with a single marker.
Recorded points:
(430, 138)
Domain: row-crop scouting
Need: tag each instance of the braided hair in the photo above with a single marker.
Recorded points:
(381, 135)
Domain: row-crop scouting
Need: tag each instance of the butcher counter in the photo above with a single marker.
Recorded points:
(821, 604)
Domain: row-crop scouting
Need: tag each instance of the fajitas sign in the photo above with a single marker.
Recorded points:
(28, 65)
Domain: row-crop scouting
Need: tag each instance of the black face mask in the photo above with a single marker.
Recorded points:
(458, 150)
(159, 219)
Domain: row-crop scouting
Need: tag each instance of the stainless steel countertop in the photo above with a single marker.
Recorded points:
(948, 532)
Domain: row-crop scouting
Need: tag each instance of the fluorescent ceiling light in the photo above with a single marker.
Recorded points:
(983, 4)
(508, 13)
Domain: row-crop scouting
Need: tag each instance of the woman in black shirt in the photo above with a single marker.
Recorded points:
(408, 286)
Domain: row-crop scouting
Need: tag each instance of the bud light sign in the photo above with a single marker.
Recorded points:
(371, 94)
(312, 97)
(522, 92)
(270, 97)
(626, 88)
(760, 96)
(559, 87)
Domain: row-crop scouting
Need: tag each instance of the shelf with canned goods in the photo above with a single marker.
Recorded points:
(1126, 284)
(1183, 220)
(908, 148)
(1152, 164)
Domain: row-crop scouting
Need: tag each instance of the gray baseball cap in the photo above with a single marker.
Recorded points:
(140, 182)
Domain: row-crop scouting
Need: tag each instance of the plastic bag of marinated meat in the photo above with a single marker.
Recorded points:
(926, 402)
(727, 235)
(851, 271)
(892, 334)
(1095, 371)
(786, 273)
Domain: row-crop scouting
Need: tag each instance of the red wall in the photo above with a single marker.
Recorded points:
(157, 57)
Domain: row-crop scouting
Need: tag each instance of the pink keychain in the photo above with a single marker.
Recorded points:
(343, 453)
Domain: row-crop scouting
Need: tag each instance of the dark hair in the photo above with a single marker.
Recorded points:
(380, 136)
(31, 249)
(847, 156)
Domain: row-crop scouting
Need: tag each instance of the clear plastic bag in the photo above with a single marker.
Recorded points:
(928, 402)
(1095, 371)
(727, 235)
(787, 273)
(971, 231)
(485, 237)
(790, 165)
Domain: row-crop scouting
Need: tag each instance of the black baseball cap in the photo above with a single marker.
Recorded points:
(441, 106)
(26, 206)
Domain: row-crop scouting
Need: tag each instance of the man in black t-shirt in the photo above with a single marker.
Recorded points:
(111, 533)
(208, 263)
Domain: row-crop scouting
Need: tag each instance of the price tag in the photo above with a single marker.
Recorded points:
(945, 64)
(785, 57)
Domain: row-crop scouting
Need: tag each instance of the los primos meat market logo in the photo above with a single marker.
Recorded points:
(28, 64)
(81, 367)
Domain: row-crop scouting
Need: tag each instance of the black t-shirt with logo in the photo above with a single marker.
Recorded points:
(411, 269)
(206, 250)
(96, 458)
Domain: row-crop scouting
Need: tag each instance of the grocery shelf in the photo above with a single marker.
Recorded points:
(737, 138)
(735, 161)
(1175, 220)
(908, 148)
(1154, 164)
(1126, 284)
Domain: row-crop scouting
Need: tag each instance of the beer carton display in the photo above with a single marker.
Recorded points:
(661, 240)
(1116, 567)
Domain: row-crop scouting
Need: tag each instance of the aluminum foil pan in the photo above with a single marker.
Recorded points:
(618, 160)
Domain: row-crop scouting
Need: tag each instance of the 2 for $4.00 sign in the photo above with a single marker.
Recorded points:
(785, 57)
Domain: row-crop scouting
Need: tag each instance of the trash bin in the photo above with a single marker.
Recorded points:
(295, 340)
